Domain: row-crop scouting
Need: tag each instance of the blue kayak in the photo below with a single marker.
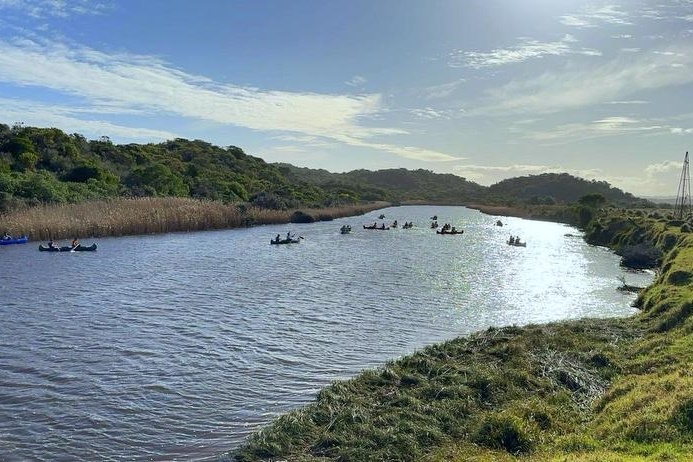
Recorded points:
(19, 240)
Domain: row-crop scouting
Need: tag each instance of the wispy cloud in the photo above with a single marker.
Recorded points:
(608, 126)
(356, 81)
(580, 87)
(443, 90)
(56, 8)
(636, 101)
(597, 16)
(38, 114)
(127, 83)
(527, 49)
(429, 113)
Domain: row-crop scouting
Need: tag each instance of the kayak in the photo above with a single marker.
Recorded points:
(284, 241)
(67, 248)
(19, 240)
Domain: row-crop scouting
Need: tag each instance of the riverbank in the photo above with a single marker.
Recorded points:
(593, 389)
(556, 213)
(124, 217)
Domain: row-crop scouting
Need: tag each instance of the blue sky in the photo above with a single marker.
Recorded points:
(485, 89)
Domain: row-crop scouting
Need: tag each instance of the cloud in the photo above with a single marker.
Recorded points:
(608, 126)
(429, 113)
(55, 8)
(442, 91)
(596, 16)
(124, 83)
(666, 166)
(40, 115)
(527, 49)
(576, 87)
(637, 101)
(356, 81)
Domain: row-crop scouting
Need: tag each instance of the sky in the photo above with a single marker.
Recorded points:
(484, 89)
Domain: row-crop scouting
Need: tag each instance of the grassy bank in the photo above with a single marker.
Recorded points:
(587, 390)
(122, 217)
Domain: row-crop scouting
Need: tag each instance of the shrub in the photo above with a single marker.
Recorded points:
(682, 417)
(641, 256)
(301, 217)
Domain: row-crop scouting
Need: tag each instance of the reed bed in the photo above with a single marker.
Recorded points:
(152, 215)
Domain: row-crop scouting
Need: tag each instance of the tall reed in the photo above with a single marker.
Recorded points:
(151, 215)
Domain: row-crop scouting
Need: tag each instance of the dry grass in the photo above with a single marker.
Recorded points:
(122, 217)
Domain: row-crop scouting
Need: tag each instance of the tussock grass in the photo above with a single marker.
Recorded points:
(151, 215)
(507, 389)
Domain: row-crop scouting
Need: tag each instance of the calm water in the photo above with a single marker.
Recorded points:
(175, 347)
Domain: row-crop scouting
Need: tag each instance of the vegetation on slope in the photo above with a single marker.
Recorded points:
(561, 188)
(611, 389)
(46, 165)
(394, 185)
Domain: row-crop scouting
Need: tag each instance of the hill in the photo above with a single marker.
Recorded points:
(48, 166)
(392, 184)
(561, 188)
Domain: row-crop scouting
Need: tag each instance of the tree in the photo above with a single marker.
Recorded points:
(593, 200)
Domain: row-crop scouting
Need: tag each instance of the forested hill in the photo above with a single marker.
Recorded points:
(392, 184)
(46, 165)
(556, 188)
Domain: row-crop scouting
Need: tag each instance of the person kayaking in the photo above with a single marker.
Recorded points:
(51, 244)
(6, 236)
(75, 243)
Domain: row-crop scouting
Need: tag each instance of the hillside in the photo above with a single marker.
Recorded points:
(561, 188)
(392, 184)
(48, 166)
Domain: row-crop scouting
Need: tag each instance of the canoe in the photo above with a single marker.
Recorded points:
(461, 231)
(375, 227)
(19, 240)
(67, 248)
(284, 241)
(515, 244)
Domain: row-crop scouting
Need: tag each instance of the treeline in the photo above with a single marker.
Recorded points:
(48, 166)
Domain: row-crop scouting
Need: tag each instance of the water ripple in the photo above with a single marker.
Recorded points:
(177, 346)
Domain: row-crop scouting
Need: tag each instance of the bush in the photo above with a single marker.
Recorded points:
(640, 256)
(301, 217)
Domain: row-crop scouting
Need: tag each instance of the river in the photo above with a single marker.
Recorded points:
(176, 346)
